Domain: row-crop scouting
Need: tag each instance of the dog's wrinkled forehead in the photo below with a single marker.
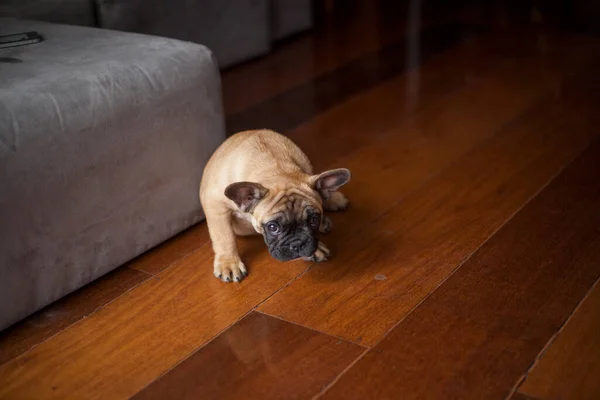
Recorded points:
(289, 206)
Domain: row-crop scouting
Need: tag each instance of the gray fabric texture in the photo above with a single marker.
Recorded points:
(72, 12)
(103, 139)
(234, 30)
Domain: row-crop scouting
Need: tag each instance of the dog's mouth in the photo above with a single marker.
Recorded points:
(288, 253)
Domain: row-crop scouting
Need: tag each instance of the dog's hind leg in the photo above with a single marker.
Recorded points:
(336, 202)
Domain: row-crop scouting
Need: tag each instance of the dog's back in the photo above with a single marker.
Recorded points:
(252, 155)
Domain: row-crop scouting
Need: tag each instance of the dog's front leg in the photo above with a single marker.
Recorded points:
(227, 264)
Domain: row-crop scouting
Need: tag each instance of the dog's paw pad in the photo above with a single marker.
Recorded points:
(229, 269)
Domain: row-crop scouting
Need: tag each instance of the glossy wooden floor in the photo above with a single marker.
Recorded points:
(466, 266)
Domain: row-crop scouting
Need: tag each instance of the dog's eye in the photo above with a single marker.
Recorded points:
(273, 227)
(314, 220)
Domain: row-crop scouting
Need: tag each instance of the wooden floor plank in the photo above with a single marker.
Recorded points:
(478, 333)
(260, 357)
(49, 321)
(570, 368)
(422, 240)
(165, 254)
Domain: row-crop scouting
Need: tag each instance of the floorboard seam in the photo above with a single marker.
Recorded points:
(136, 270)
(147, 253)
(551, 342)
(337, 378)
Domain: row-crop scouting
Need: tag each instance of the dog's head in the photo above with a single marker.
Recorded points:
(288, 215)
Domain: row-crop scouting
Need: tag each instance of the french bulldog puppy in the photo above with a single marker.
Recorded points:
(260, 182)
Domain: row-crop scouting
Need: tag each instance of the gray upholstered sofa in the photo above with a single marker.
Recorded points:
(103, 138)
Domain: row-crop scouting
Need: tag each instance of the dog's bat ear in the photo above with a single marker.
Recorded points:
(245, 194)
(330, 181)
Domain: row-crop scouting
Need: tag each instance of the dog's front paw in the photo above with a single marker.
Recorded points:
(320, 255)
(325, 227)
(229, 269)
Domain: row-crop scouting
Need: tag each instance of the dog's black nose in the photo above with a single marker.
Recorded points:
(296, 245)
